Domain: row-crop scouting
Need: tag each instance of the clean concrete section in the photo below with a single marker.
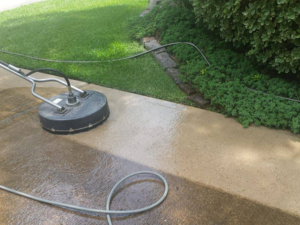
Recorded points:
(11, 4)
(219, 172)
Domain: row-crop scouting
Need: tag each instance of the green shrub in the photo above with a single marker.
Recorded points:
(185, 3)
(268, 28)
(225, 82)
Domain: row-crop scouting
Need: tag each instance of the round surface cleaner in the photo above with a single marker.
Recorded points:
(87, 112)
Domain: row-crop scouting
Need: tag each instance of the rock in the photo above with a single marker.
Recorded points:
(174, 74)
(151, 44)
(161, 55)
(199, 100)
(187, 89)
(169, 65)
(164, 59)
(145, 12)
(153, 3)
(162, 50)
(147, 39)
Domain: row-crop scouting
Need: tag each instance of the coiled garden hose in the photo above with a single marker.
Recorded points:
(106, 211)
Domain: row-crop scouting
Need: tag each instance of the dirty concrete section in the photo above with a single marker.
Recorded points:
(219, 172)
(14, 103)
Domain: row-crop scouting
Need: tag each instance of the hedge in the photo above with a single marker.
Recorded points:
(225, 82)
(267, 29)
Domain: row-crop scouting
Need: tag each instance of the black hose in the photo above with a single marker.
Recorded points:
(129, 57)
(105, 61)
(4, 63)
(50, 70)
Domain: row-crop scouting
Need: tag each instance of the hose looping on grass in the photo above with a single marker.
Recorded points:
(135, 56)
(106, 61)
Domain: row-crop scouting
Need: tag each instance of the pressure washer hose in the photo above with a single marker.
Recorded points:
(106, 211)
(135, 56)
(105, 61)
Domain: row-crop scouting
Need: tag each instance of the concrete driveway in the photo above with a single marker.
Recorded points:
(219, 172)
(10, 4)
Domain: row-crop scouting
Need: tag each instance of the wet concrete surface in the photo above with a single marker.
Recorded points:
(55, 168)
(257, 162)
(219, 173)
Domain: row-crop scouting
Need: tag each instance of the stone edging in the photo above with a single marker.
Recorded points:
(172, 71)
(170, 65)
(152, 3)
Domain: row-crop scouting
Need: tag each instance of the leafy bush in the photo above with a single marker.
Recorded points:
(225, 82)
(270, 28)
(185, 3)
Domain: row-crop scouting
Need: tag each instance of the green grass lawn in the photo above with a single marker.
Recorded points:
(85, 30)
